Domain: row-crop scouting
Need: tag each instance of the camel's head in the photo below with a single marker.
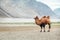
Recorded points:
(36, 17)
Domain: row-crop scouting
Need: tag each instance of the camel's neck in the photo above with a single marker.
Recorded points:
(37, 21)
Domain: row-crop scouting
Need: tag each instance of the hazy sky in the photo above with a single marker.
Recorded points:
(53, 4)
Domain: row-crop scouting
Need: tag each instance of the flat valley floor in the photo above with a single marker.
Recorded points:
(29, 33)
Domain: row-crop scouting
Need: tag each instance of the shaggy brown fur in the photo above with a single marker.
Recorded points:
(42, 22)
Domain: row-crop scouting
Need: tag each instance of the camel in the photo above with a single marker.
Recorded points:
(43, 22)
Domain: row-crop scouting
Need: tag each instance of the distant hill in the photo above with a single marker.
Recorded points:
(26, 9)
(3, 13)
(57, 12)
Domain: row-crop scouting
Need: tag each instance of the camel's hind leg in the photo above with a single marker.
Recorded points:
(49, 27)
(44, 27)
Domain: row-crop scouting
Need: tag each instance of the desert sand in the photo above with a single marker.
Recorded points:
(29, 33)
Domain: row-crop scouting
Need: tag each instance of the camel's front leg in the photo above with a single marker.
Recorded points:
(41, 28)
